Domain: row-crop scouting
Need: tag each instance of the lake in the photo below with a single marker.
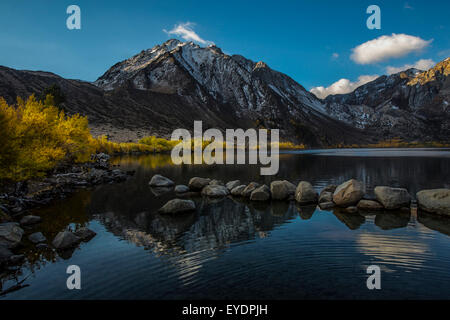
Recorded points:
(235, 249)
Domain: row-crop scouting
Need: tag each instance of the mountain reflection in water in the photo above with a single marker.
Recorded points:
(237, 249)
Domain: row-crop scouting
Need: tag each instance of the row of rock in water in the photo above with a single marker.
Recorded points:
(349, 195)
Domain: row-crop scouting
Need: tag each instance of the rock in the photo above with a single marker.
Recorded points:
(215, 191)
(261, 193)
(42, 246)
(65, 240)
(215, 182)
(160, 181)
(326, 196)
(237, 191)
(5, 255)
(281, 190)
(4, 217)
(305, 193)
(233, 184)
(326, 205)
(368, 205)
(329, 188)
(177, 206)
(434, 200)
(29, 220)
(249, 189)
(85, 234)
(10, 234)
(197, 184)
(37, 237)
(392, 198)
(181, 188)
(351, 209)
(16, 259)
(348, 193)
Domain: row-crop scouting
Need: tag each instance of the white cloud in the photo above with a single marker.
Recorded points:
(422, 64)
(342, 86)
(385, 47)
(186, 31)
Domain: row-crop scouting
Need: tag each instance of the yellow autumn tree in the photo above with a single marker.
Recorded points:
(37, 136)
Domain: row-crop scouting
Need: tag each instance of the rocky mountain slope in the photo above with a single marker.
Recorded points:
(412, 105)
(172, 84)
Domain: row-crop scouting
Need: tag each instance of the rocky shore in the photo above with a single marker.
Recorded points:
(16, 224)
(350, 196)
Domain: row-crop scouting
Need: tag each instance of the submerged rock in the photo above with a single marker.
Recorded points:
(326, 205)
(65, 240)
(329, 188)
(215, 191)
(249, 189)
(197, 183)
(10, 234)
(261, 193)
(237, 191)
(85, 234)
(29, 220)
(233, 184)
(348, 193)
(160, 181)
(369, 205)
(177, 206)
(181, 188)
(281, 190)
(37, 237)
(435, 201)
(325, 196)
(392, 198)
(305, 193)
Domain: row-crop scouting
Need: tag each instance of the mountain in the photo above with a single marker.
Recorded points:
(226, 92)
(412, 105)
(172, 84)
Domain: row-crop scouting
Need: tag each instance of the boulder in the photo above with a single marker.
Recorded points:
(5, 255)
(329, 188)
(197, 184)
(237, 191)
(177, 206)
(434, 200)
(326, 205)
(215, 191)
(216, 182)
(261, 193)
(160, 181)
(369, 205)
(181, 188)
(65, 240)
(348, 193)
(326, 196)
(281, 190)
(37, 237)
(29, 220)
(85, 234)
(10, 234)
(233, 184)
(392, 198)
(305, 193)
(249, 189)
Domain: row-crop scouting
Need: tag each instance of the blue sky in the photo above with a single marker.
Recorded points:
(311, 41)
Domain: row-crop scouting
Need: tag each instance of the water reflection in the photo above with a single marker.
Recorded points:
(230, 241)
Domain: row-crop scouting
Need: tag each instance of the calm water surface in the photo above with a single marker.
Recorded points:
(240, 250)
